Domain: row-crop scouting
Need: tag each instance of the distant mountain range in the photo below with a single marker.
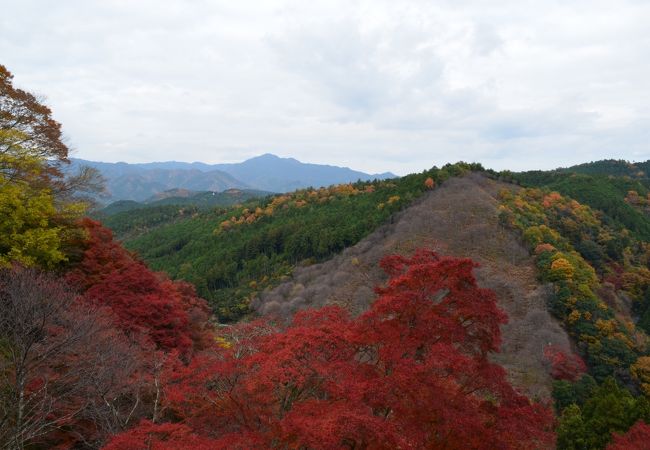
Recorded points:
(267, 172)
(272, 173)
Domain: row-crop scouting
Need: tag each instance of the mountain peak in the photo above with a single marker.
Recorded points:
(270, 158)
(265, 156)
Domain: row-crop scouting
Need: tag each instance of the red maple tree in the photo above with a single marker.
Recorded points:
(564, 367)
(145, 303)
(412, 372)
(636, 438)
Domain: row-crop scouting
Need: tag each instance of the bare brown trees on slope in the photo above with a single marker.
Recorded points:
(459, 218)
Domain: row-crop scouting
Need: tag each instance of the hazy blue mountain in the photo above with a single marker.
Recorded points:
(139, 182)
(266, 172)
(272, 173)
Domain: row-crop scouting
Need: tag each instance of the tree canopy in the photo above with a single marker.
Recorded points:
(38, 201)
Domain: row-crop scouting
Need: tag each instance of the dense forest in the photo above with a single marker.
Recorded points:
(623, 200)
(147, 339)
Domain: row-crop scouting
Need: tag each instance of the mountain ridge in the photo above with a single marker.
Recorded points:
(266, 172)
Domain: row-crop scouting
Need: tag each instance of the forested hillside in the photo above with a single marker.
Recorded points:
(601, 281)
(230, 255)
(622, 199)
(613, 167)
(128, 218)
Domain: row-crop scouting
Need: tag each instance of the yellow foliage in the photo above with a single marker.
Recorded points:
(606, 327)
(222, 342)
(623, 338)
(28, 233)
(633, 198)
(505, 194)
(36, 214)
(562, 269)
(592, 340)
(541, 234)
(344, 189)
(641, 372)
(520, 203)
(574, 316)
(392, 199)
(585, 290)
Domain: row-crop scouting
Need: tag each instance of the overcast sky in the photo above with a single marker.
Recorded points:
(374, 85)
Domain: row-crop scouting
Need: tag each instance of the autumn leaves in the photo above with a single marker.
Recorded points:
(411, 372)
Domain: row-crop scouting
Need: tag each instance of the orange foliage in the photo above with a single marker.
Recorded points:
(541, 248)
(562, 269)
(551, 198)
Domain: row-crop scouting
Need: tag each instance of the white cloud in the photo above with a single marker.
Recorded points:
(373, 85)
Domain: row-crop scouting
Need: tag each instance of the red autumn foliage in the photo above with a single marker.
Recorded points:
(412, 372)
(564, 367)
(615, 275)
(69, 377)
(144, 302)
(636, 438)
(167, 436)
